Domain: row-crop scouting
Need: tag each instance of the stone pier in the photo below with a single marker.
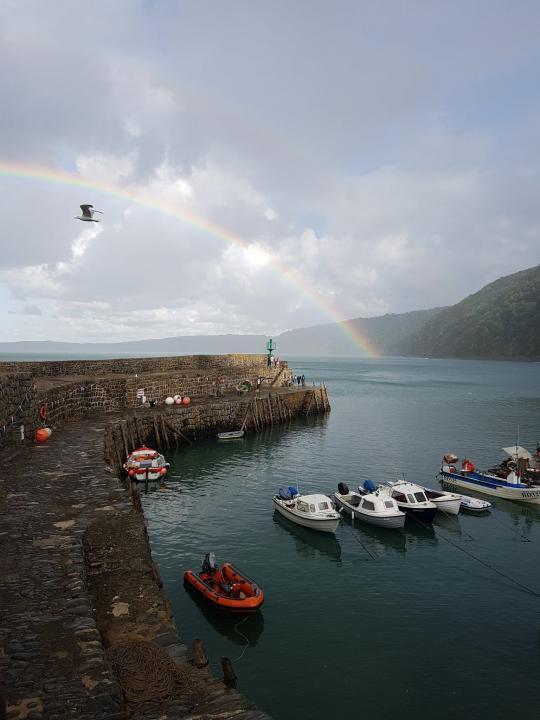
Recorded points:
(85, 628)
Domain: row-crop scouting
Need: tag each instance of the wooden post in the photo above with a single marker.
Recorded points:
(178, 432)
(138, 431)
(229, 676)
(245, 418)
(131, 433)
(270, 409)
(124, 438)
(156, 432)
(199, 656)
(310, 402)
(164, 432)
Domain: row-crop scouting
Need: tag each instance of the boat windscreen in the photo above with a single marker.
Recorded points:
(420, 497)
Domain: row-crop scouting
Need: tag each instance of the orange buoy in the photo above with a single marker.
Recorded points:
(186, 400)
(43, 434)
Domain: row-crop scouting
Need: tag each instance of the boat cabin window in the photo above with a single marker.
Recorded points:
(420, 496)
(410, 498)
(323, 506)
(388, 504)
(312, 508)
(400, 497)
(368, 505)
(302, 506)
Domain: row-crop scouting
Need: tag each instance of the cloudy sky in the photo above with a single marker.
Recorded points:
(366, 156)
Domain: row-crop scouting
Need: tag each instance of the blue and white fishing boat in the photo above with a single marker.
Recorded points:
(486, 482)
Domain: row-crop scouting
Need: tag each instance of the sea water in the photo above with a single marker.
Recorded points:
(435, 622)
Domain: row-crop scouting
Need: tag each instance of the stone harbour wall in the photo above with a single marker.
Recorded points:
(66, 390)
(166, 427)
(18, 408)
(132, 366)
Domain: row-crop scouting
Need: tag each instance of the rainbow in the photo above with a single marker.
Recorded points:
(62, 177)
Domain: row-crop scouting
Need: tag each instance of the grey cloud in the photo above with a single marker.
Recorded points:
(397, 145)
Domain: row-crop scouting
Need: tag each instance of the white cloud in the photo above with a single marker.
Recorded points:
(248, 175)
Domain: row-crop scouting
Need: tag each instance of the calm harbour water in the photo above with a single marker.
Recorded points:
(368, 622)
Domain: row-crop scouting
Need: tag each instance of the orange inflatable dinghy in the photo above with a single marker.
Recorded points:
(225, 587)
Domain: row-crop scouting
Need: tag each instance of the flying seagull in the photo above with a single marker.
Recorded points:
(88, 214)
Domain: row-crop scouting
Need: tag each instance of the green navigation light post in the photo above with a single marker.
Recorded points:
(270, 348)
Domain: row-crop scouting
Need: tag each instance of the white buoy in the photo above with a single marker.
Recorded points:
(169, 401)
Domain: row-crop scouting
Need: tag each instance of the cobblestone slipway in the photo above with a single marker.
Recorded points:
(64, 597)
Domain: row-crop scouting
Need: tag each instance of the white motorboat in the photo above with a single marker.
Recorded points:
(448, 502)
(373, 508)
(145, 464)
(410, 498)
(474, 505)
(311, 511)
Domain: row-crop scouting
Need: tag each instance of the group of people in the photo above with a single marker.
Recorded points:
(299, 380)
(273, 361)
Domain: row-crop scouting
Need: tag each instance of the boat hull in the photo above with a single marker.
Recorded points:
(423, 515)
(391, 522)
(328, 525)
(488, 486)
(233, 435)
(218, 598)
(451, 507)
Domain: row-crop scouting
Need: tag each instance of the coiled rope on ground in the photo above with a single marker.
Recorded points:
(146, 673)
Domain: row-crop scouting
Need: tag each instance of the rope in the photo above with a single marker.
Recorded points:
(482, 562)
(145, 672)
(237, 631)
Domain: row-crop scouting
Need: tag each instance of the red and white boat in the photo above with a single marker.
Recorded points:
(146, 464)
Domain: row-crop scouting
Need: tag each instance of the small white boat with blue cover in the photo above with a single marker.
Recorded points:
(372, 508)
(311, 511)
(474, 505)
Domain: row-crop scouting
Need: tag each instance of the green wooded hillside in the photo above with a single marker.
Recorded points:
(500, 321)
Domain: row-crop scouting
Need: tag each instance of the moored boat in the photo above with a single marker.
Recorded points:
(509, 487)
(410, 498)
(226, 587)
(310, 511)
(372, 508)
(145, 464)
(231, 435)
(447, 502)
(474, 505)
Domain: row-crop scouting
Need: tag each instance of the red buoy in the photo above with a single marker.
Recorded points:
(42, 434)
(186, 400)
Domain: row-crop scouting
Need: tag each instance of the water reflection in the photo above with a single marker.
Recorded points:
(310, 543)
(450, 524)
(379, 540)
(228, 624)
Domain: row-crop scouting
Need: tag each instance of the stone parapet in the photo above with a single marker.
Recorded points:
(132, 366)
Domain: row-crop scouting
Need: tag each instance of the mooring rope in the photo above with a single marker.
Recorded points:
(238, 632)
(482, 562)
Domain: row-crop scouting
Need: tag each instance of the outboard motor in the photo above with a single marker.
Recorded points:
(342, 489)
(369, 486)
(209, 563)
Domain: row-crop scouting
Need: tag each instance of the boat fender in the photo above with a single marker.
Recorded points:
(42, 412)
(342, 488)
